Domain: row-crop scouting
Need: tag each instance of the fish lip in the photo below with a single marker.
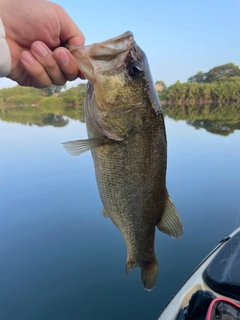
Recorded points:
(102, 56)
(122, 37)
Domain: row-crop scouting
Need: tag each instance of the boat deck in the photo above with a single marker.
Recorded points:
(193, 283)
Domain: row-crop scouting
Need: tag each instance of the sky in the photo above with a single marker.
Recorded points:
(179, 37)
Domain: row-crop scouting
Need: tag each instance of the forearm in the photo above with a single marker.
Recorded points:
(5, 56)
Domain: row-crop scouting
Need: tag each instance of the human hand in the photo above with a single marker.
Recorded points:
(35, 30)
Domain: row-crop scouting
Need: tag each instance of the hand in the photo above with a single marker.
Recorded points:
(35, 30)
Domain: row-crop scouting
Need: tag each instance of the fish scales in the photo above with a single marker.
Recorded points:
(128, 143)
(128, 179)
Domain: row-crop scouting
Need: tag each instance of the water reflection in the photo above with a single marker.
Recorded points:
(42, 116)
(217, 119)
(57, 120)
(60, 259)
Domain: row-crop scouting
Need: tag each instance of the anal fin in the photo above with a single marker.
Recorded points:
(104, 213)
(170, 222)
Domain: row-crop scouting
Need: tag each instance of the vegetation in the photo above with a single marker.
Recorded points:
(190, 101)
(224, 71)
(52, 96)
(49, 91)
(163, 96)
(223, 90)
(220, 84)
(161, 83)
(74, 96)
(42, 107)
(20, 96)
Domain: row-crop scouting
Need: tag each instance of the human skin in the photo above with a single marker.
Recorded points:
(35, 32)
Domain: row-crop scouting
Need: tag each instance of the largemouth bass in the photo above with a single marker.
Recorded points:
(127, 137)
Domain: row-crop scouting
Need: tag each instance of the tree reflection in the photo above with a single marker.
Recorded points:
(57, 116)
(220, 119)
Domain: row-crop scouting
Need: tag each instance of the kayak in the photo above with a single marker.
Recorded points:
(217, 276)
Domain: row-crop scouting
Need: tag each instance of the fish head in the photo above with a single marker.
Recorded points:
(124, 96)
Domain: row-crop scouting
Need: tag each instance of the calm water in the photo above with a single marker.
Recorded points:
(60, 259)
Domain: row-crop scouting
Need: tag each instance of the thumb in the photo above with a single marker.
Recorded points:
(69, 31)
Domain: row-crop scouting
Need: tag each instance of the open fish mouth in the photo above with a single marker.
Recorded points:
(104, 56)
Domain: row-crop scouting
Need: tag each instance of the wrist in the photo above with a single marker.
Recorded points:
(5, 55)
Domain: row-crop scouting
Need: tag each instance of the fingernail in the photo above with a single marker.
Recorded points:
(40, 49)
(27, 57)
(63, 58)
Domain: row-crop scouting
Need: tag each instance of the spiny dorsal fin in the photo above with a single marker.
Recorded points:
(75, 148)
(170, 222)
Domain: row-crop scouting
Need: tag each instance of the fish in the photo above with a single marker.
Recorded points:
(127, 138)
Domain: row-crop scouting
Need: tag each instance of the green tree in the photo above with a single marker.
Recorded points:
(74, 96)
(198, 77)
(224, 89)
(53, 89)
(161, 83)
(224, 71)
(227, 70)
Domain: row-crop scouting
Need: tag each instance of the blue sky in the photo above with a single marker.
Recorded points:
(179, 37)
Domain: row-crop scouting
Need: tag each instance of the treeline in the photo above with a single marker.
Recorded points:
(223, 90)
(51, 96)
(227, 70)
(220, 84)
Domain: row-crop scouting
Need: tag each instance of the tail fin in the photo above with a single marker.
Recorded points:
(149, 274)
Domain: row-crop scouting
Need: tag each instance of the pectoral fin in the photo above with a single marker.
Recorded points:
(170, 222)
(75, 148)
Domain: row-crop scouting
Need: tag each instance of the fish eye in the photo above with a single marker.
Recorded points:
(135, 69)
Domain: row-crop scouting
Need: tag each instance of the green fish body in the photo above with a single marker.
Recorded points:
(127, 139)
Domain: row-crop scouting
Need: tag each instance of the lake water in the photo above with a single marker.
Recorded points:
(61, 259)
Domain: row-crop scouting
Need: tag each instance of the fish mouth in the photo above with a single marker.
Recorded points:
(102, 56)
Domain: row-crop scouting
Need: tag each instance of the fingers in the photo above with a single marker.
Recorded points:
(67, 63)
(45, 57)
(38, 77)
(46, 67)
